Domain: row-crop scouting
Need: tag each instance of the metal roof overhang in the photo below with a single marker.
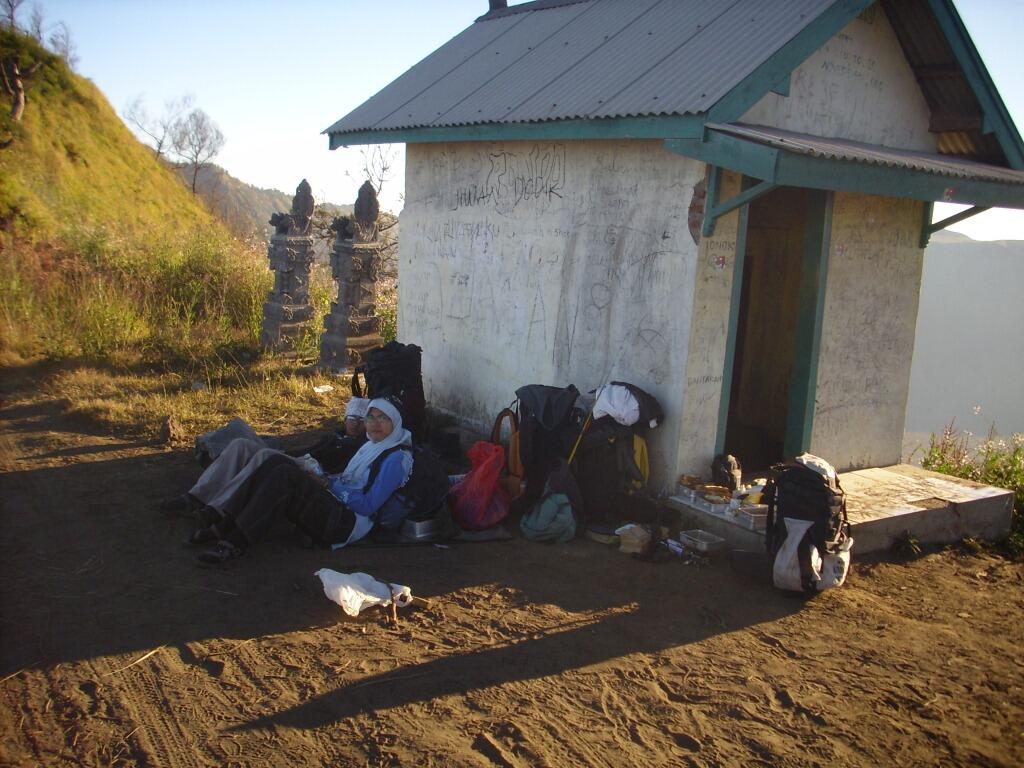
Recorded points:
(782, 158)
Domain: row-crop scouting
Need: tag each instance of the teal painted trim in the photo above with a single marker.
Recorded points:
(663, 127)
(711, 200)
(739, 264)
(996, 118)
(848, 176)
(713, 213)
(746, 157)
(927, 210)
(931, 229)
(790, 169)
(803, 379)
(782, 87)
(780, 64)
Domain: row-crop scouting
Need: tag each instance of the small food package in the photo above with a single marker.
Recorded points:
(633, 538)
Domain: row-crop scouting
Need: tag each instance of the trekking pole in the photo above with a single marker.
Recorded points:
(586, 423)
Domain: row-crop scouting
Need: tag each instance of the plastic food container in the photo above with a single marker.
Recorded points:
(700, 540)
(718, 508)
(685, 494)
(754, 516)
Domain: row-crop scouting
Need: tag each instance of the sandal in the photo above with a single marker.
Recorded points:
(204, 535)
(184, 504)
(221, 553)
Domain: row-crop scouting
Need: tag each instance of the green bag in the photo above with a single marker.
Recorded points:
(551, 519)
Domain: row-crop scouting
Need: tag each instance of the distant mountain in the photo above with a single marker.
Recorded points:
(243, 207)
(946, 236)
(969, 351)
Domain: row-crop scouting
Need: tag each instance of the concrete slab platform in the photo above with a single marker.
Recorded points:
(885, 502)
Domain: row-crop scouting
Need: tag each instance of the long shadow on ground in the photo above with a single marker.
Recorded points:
(88, 568)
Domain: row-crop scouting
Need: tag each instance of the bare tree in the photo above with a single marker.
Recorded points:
(9, 9)
(13, 83)
(35, 23)
(157, 128)
(63, 45)
(378, 165)
(196, 140)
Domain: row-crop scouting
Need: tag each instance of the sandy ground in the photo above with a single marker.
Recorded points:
(117, 648)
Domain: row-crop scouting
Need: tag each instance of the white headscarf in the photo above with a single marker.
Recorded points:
(357, 408)
(358, 470)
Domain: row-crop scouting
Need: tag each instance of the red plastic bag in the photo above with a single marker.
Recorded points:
(478, 500)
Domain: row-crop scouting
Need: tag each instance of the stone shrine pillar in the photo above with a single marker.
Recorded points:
(287, 311)
(352, 328)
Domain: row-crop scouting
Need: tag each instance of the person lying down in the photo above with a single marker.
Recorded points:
(333, 509)
(230, 470)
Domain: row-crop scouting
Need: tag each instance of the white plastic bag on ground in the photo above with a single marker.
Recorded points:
(356, 591)
(828, 571)
(835, 567)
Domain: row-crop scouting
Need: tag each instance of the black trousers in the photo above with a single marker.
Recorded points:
(281, 489)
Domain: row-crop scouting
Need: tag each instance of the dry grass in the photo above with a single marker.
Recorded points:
(270, 394)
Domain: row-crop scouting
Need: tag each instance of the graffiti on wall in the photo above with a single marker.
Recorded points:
(514, 178)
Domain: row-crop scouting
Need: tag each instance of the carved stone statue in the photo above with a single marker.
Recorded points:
(302, 207)
(352, 327)
(367, 213)
(297, 222)
(342, 228)
(287, 310)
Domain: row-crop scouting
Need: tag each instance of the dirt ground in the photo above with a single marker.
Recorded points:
(117, 648)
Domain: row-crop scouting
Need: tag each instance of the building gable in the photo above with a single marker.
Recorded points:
(857, 86)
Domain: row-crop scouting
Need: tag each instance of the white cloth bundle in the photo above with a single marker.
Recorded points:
(356, 591)
(618, 402)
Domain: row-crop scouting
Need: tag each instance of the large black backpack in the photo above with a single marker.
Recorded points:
(798, 492)
(427, 487)
(546, 432)
(606, 469)
(394, 369)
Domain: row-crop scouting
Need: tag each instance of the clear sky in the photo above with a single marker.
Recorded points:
(274, 75)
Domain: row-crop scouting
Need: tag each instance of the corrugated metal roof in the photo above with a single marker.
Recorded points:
(870, 154)
(587, 59)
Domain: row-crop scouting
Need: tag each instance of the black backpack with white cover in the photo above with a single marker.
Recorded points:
(810, 503)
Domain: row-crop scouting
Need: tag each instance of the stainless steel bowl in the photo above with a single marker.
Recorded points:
(421, 530)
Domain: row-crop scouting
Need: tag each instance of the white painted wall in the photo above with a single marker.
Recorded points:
(549, 263)
(858, 86)
(874, 280)
(709, 332)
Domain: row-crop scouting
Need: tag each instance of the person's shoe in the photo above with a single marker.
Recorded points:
(204, 535)
(221, 553)
(185, 505)
(207, 515)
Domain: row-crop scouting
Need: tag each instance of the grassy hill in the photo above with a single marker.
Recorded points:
(72, 162)
(105, 252)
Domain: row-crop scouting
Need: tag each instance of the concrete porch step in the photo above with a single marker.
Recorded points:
(882, 503)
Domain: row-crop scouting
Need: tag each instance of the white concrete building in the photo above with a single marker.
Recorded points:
(555, 229)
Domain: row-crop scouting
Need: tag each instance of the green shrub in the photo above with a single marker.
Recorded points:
(997, 461)
(322, 291)
(387, 307)
(101, 295)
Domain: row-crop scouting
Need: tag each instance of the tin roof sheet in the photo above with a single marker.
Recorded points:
(870, 154)
(587, 59)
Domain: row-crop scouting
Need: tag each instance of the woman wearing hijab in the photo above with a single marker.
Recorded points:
(332, 509)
